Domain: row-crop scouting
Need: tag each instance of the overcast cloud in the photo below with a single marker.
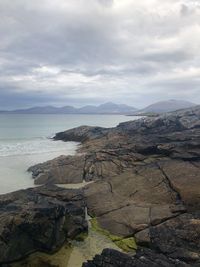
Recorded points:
(81, 52)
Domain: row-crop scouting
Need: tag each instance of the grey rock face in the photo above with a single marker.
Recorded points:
(143, 258)
(81, 134)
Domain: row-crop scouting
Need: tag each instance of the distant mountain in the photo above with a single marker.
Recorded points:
(166, 106)
(88, 109)
(107, 108)
(43, 110)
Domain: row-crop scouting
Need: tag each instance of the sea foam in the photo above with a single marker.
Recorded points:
(35, 146)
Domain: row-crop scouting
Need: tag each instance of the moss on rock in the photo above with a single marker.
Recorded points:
(81, 237)
(126, 244)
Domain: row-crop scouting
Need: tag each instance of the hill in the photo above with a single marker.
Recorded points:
(167, 106)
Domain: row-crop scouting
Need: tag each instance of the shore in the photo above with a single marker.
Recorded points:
(15, 167)
(143, 186)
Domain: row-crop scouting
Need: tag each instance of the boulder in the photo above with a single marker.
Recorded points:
(81, 134)
(178, 237)
(39, 219)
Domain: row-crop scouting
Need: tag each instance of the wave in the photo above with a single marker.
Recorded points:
(35, 146)
(18, 139)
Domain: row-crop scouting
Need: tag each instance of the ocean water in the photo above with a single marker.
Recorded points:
(25, 141)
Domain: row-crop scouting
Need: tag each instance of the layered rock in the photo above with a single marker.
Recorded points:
(81, 134)
(39, 219)
(60, 170)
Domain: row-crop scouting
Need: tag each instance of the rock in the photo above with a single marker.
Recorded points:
(39, 219)
(146, 177)
(178, 237)
(81, 134)
(184, 177)
(131, 201)
(143, 258)
(110, 151)
(167, 123)
(143, 237)
(62, 170)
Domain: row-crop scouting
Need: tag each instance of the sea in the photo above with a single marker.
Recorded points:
(26, 139)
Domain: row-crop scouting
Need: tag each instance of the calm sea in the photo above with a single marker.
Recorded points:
(25, 141)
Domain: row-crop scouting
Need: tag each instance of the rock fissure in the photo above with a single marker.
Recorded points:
(169, 184)
(110, 186)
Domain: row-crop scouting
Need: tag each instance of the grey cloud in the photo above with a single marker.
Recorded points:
(97, 50)
(169, 56)
(106, 3)
(185, 10)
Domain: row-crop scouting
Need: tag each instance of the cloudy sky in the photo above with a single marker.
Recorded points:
(79, 52)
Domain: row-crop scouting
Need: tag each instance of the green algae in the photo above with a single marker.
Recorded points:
(73, 254)
(126, 244)
(81, 237)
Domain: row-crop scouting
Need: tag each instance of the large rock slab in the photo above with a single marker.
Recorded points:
(39, 219)
(132, 201)
(184, 177)
(61, 170)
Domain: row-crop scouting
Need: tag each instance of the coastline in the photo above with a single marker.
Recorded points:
(23, 142)
(137, 189)
(16, 166)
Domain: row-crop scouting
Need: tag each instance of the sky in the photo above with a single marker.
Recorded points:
(78, 52)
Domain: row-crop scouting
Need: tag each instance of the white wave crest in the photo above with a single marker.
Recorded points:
(35, 146)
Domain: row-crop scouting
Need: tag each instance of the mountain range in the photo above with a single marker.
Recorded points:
(106, 108)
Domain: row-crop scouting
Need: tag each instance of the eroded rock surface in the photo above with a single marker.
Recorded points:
(62, 170)
(178, 237)
(39, 219)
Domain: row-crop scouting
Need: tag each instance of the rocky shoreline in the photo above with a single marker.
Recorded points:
(146, 186)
